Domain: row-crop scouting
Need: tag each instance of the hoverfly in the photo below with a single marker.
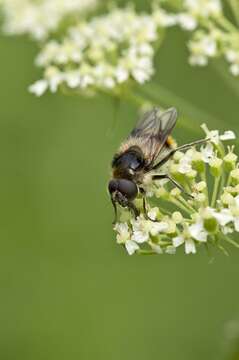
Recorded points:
(145, 150)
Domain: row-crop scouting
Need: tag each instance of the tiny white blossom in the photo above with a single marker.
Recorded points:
(39, 87)
(123, 232)
(103, 53)
(187, 21)
(157, 248)
(131, 247)
(197, 230)
(207, 152)
(214, 136)
(203, 8)
(190, 247)
(39, 18)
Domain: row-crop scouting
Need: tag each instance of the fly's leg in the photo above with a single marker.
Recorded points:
(142, 191)
(133, 208)
(115, 210)
(166, 176)
(173, 151)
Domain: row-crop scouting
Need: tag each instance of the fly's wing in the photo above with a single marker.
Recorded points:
(152, 132)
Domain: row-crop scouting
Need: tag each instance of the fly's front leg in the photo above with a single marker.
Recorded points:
(133, 208)
(173, 151)
(142, 191)
(166, 176)
(115, 211)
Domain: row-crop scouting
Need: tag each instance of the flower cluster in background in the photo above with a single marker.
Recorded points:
(213, 34)
(209, 216)
(39, 18)
(103, 53)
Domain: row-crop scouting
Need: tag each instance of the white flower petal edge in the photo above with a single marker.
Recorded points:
(131, 247)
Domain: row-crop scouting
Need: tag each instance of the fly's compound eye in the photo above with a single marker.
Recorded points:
(127, 188)
(113, 186)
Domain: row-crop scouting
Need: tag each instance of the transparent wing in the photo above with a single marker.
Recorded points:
(152, 131)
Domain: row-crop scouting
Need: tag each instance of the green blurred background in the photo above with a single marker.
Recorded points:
(67, 290)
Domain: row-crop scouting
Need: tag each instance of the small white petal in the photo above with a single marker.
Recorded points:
(234, 69)
(198, 232)
(156, 248)
(177, 241)
(171, 250)
(236, 223)
(223, 217)
(207, 152)
(190, 247)
(158, 227)
(152, 214)
(187, 21)
(228, 135)
(131, 247)
(140, 237)
(39, 87)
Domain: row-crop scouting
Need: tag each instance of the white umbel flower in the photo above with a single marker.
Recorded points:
(203, 8)
(39, 18)
(190, 247)
(215, 137)
(104, 53)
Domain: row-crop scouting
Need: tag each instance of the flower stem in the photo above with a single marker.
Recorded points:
(226, 24)
(231, 241)
(204, 178)
(215, 191)
(146, 252)
(185, 203)
(158, 94)
(234, 5)
(181, 206)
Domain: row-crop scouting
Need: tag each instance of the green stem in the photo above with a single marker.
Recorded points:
(229, 80)
(158, 94)
(146, 252)
(234, 5)
(185, 203)
(204, 178)
(215, 190)
(226, 24)
(181, 206)
(228, 180)
(231, 241)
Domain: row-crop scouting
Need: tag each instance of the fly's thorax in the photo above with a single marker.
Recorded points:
(128, 163)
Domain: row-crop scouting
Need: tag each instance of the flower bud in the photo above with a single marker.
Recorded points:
(178, 156)
(197, 162)
(162, 193)
(227, 199)
(230, 161)
(201, 198)
(171, 227)
(234, 174)
(200, 186)
(175, 192)
(191, 175)
(215, 166)
(174, 171)
(210, 223)
(177, 217)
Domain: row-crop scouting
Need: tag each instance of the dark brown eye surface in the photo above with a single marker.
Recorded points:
(127, 188)
(113, 186)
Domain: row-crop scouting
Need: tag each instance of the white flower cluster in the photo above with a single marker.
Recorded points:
(213, 34)
(41, 17)
(101, 54)
(208, 217)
